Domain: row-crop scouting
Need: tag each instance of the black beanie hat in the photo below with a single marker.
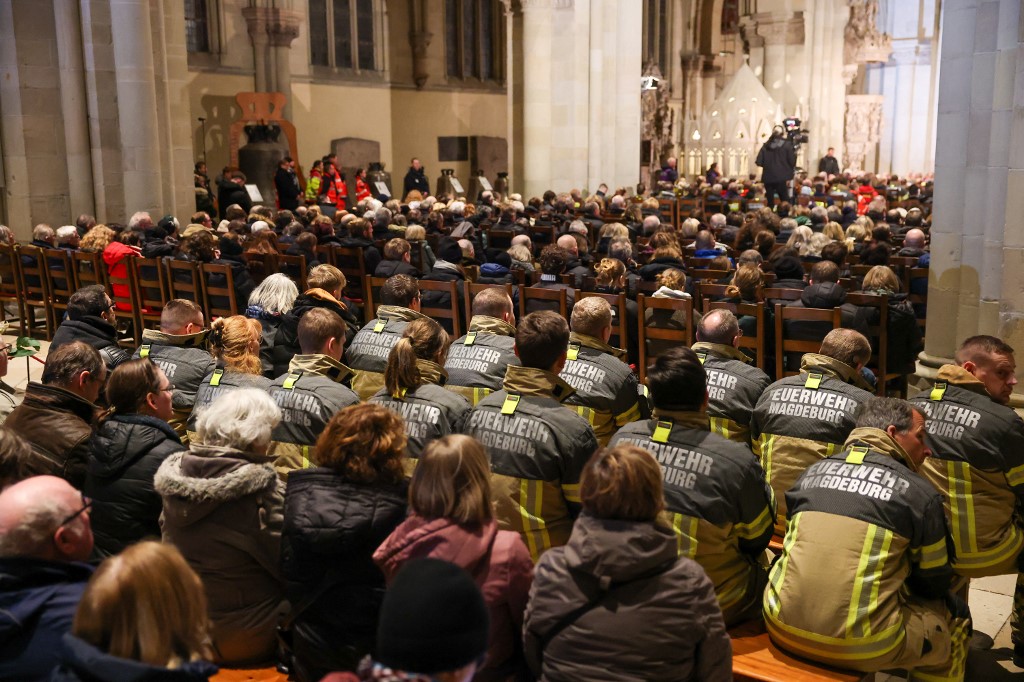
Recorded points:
(789, 267)
(433, 619)
(448, 249)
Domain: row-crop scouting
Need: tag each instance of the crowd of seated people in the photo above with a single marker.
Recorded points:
(337, 486)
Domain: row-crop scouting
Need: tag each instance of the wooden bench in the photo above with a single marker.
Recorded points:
(755, 657)
(249, 675)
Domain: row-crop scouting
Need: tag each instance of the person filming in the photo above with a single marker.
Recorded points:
(777, 160)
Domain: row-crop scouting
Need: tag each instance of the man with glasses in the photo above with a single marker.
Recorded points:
(91, 319)
(45, 535)
(58, 416)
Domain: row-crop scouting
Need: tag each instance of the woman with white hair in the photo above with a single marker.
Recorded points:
(268, 303)
(222, 507)
(800, 238)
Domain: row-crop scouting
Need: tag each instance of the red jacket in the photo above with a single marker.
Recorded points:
(115, 256)
(337, 191)
(362, 190)
(497, 559)
(865, 195)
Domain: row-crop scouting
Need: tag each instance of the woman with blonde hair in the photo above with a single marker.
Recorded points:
(834, 231)
(800, 238)
(451, 517)
(97, 239)
(143, 616)
(235, 346)
(621, 573)
(335, 516)
(904, 335)
(744, 288)
(413, 380)
(416, 235)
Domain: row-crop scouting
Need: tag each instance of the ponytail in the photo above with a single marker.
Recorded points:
(401, 372)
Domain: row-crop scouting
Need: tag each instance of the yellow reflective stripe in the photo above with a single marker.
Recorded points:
(767, 445)
(938, 391)
(585, 412)
(857, 455)
(751, 530)
(933, 555)
(531, 499)
(813, 380)
(686, 534)
(720, 425)
(306, 464)
(630, 415)
(661, 432)
(854, 649)
(777, 576)
(1010, 547)
(879, 552)
(573, 352)
(968, 500)
(571, 491)
(830, 449)
(470, 339)
(879, 572)
(509, 406)
(854, 612)
(1015, 476)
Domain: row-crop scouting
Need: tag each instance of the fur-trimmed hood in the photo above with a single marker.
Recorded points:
(193, 484)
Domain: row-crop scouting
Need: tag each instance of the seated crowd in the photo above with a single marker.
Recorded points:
(383, 501)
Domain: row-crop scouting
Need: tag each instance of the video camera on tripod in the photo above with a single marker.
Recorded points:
(794, 132)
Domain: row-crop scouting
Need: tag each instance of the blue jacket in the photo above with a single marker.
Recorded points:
(37, 604)
(81, 661)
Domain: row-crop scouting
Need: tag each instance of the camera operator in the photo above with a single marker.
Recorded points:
(777, 160)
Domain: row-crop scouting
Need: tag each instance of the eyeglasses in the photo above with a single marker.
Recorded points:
(86, 505)
(168, 388)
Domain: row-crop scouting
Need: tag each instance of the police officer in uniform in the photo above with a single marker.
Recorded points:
(312, 390)
(863, 580)
(801, 419)
(538, 446)
(477, 361)
(734, 385)
(715, 491)
(607, 392)
(179, 348)
(977, 463)
(368, 353)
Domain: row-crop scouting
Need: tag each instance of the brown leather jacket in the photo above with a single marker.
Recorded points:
(59, 426)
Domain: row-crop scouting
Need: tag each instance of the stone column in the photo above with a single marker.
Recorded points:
(74, 106)
(282, 29)
(256, 22)
(537, 104)
(976, 284)
(781, 33)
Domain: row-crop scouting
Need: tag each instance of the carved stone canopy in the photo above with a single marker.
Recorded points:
(278, 27)
(863, 42)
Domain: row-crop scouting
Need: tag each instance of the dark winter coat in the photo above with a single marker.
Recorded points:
(331, 529)
(38, 600)
(777, 159)
(286, 338)
(82, 662)
(387, 268)
(127, 451)
(94, 331)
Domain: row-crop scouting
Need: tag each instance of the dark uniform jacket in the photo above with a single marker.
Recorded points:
(429, 411)
(286, 339)
(607, 392)
(127, 451)
(368, 353)
(94, 331)
(977, 464)
(717, 500)
(661, 623)
(185, 361)
(477, 362)
(864, 531)
(804, 418)
(538, 449)
(58, 425)
(217, 383)
(309, 394)
(734, 387)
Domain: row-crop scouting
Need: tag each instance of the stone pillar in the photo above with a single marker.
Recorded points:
(282, 29)
(537, 104)
(74, 106)
(782, 34)
(976, 284)
(823, 116)
(863, 123)
(256, 22)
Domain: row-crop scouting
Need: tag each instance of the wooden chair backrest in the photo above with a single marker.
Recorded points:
(471, 290)
(645, 333)
(784, 313)
(183, 281)
(620, 322)
(88, 267)
(756, 344)
(294, 267)
(214, 294)
(548, 299)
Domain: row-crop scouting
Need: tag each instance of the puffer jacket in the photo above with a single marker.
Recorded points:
(905, 340)
(127, 451)
(428, 411)
(477, 361)
(607, 393)
(977, 464)
(498, 562)
(657, 619)
(82, 662)
(286, 341)
(331, 529)
(387, 268)
(802, 419)
(94, 331)
(58, 425)
(823, 295)
(538, 448)
(368, 353)
(38, 600)
(734, 387)
(185, 361)
(223, 509)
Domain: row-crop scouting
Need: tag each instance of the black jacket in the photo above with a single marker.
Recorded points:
(371, 256)
(415, 180)
(331, 529)
(650, 272)
(286, 338)
(828, 164)
(229, 193)
(287, 187)
(777, 160)
(127, 451)
(82, 662)
(94, 331)
(387, 268)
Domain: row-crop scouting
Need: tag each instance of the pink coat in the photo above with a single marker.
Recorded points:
(497, 559)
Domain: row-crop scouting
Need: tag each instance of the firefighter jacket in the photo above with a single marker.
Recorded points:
(734, 386)
(368, 353)
(309, 395)
(217, 383)
(801, 419)
(607, 392)
(538, 449)
(716, 497)
(977, 464)
(477, 362)
(429, 411)
(185, 361)
(866, 534)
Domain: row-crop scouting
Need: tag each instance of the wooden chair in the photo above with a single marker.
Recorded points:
(35, 295)
(89, 269)
(9, 279)
(784, 313)
(755, 344)
(546, 299)
(668, 210)
(499, 239)
(541, 236)
(782, 294)
(620, 322)
(60, 282)
(325, 254)
(294, 267)
(878, 335)
(450, 312)
(646, 333)
(260, 265)
(218, 298)
(349, 259)
(470, 290)
(183, 280)
(150, 291)
(708, 275)
(689, 206)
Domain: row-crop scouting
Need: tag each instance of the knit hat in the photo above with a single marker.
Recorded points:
(789, 267)
(433, 619)
(448, 249)
(259, 226)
